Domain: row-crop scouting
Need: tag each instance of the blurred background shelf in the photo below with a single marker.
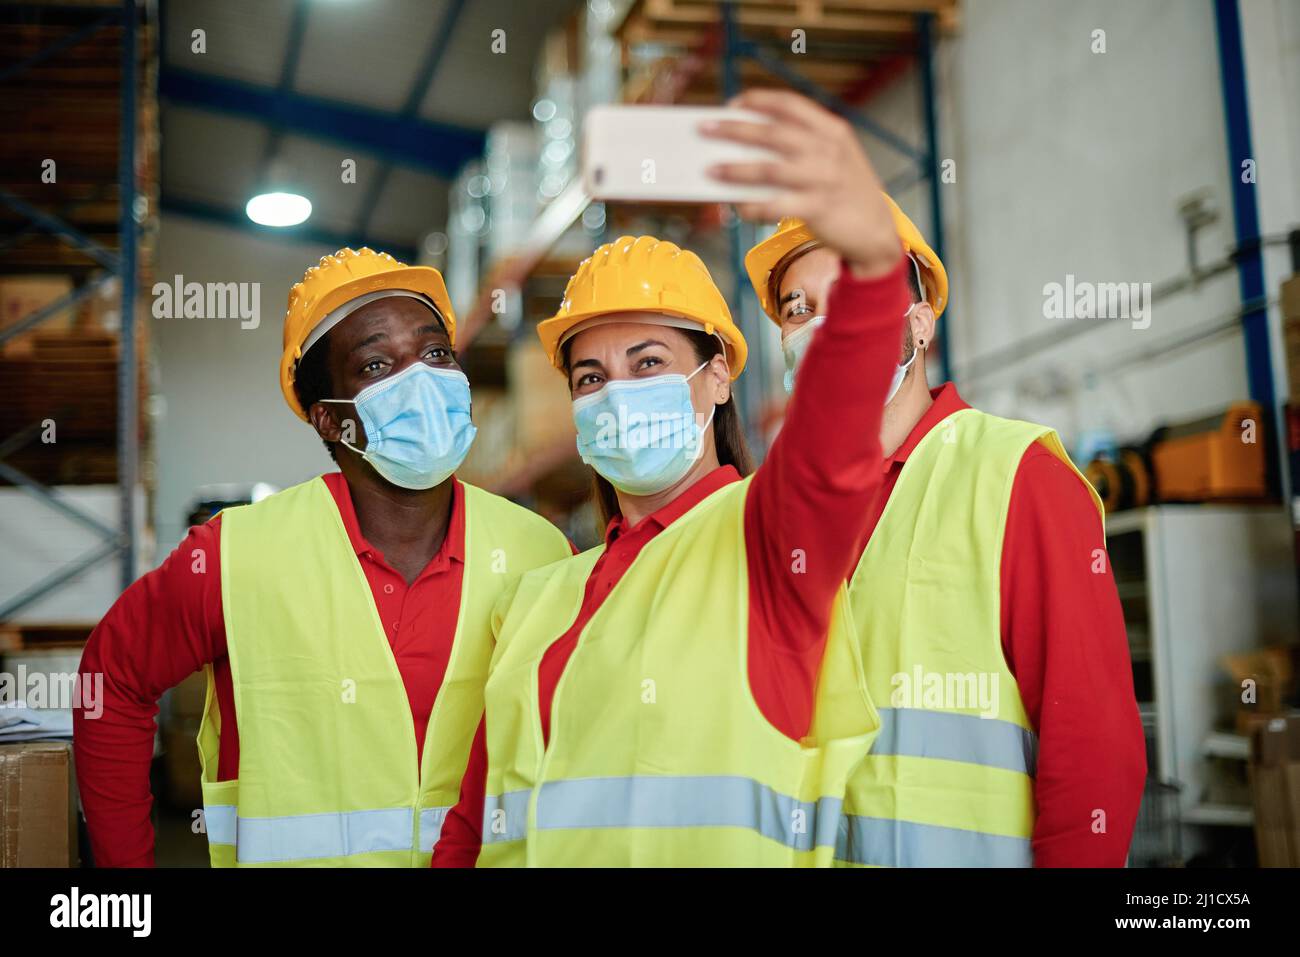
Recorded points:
(1203, 582)
(78, 210)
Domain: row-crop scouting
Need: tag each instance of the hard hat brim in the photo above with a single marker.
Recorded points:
(554, 331)
(763, 258)
(768, 255)
(422, 279)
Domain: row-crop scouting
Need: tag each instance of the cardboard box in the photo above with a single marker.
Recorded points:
(101, 311)
(543, 411)
(1275, 785)
(38, 805)
(1270, 672)
(1291, 334)
(489, 456)
(181, 762)
(20, 296)
(187, 698)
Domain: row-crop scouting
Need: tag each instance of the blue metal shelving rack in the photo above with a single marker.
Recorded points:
(923, 165)
(119, 542)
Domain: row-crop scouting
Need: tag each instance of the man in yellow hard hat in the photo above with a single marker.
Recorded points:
(343, 623)
(986, 612)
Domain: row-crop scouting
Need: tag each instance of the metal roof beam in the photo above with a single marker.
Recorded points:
(439, 148)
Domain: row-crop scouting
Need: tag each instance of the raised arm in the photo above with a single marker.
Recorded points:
(808, 506)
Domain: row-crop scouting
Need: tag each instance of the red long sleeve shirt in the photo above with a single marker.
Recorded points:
(810, 473)
(170, 623)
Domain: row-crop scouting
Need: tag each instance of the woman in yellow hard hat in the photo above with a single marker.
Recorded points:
(688, 692)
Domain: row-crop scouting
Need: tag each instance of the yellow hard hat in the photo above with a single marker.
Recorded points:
(643, 274)
(792, 236)
(337, 281)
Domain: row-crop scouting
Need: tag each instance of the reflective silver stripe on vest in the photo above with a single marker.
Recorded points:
(991, 742)
(264, 840)
(512, 825)
(303, 837)
(880, 841)
(219, 823)
(431, 820)
(649, 801)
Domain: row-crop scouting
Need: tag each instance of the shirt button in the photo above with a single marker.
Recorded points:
(388, 589)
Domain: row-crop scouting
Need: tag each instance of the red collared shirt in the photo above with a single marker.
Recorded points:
(170, 623)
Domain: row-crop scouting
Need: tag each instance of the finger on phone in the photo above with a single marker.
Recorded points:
(753, 134)
(757, 174)
(788, 106)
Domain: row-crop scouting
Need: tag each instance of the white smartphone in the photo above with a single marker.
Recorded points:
(657, 154)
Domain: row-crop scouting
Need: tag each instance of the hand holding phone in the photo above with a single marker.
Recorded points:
(820, 174)
(658, 154)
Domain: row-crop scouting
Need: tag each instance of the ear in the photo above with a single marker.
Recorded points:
(719, 372)
(328, 421)
(922, 322)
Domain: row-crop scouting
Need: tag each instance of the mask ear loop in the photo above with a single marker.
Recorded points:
(699, 445)
(916, 268)
(343, 442)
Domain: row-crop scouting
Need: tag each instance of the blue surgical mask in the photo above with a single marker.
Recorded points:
(417, 423)
(796, 344)
(641, 435)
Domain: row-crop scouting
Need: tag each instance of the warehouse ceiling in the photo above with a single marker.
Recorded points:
(292, 88)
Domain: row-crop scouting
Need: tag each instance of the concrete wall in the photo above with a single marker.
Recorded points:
(221, 415)
(1068, 162)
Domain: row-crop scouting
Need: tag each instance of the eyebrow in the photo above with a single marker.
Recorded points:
(633, 350)
(367, 341)
(430, 329)
(792, 294)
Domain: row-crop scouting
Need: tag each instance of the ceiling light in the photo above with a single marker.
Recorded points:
(278, 209)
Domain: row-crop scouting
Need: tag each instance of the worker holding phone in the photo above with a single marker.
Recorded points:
(984, 574)
(656, 700)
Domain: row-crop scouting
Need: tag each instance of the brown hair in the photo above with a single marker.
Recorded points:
(728, 433)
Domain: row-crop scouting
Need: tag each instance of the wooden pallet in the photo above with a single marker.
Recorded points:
(67, 108)
(669, 80)
(42, 637)
(70, 377)
(679, 21)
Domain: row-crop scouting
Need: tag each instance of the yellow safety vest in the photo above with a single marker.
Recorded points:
(327, 775)
(950, 778)
(658, 754)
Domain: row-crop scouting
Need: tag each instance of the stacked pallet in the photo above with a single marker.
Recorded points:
(672, 48)
(62, 116)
